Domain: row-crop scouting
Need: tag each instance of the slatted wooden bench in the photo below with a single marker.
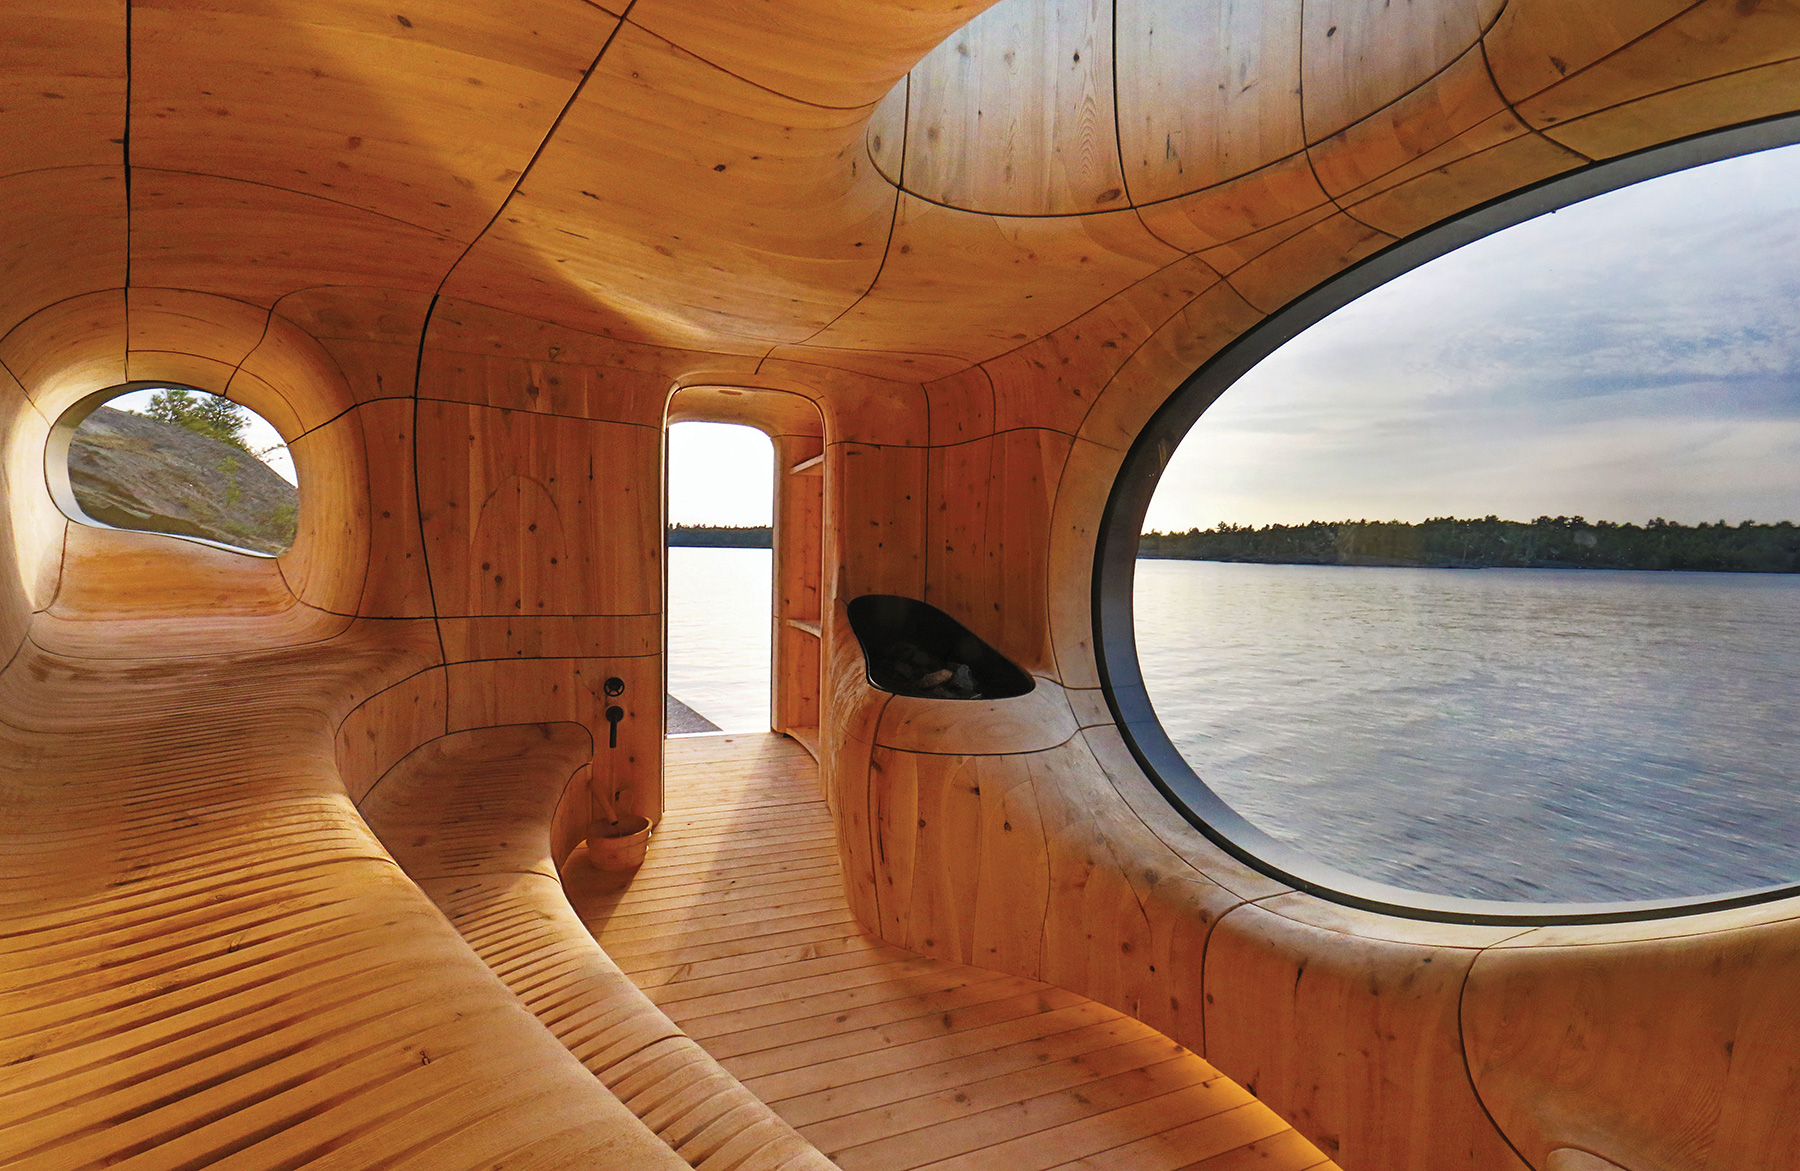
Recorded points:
(469, 817)
(206, 958)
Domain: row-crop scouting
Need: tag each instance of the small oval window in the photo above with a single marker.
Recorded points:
(1487, 584)
(176, 460)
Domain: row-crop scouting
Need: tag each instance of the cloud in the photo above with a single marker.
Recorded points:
(1634, 355)
(720, 474)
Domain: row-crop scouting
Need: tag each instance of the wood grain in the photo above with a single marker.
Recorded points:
(1564, 1026)
(1014, 113)
(1361, 55)
(1208, 92)
(949, 270)
(818, 51)
(428, 122)
(1367, 1004)
(695, 166)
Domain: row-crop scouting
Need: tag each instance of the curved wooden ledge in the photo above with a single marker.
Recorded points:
(244, 603)
(469, 817)
(1035, 722)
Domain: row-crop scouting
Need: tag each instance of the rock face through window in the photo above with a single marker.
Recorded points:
(135, 472)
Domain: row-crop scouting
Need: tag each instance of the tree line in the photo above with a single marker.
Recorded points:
(1549, 542)
(722, 536)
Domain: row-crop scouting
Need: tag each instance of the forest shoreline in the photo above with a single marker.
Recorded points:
(1561, 542)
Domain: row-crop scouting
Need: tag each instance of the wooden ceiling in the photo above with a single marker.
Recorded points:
(771, 181)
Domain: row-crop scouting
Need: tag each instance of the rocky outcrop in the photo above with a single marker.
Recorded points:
(137, 473)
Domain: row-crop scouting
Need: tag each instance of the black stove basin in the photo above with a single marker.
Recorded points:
(913, 648)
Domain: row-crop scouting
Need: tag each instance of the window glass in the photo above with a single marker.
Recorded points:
(182, 461)
(1486, 584)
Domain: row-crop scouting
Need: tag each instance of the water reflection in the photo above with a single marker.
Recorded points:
(719, 614)
(1526, 734)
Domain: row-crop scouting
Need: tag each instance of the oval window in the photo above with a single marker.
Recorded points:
(172, 459)
(1486, 585)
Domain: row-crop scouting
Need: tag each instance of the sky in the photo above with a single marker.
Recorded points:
(720, 474)
(1632, 356)
(258, 434)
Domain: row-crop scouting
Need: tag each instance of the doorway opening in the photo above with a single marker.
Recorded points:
(721, 579)
(746, 512)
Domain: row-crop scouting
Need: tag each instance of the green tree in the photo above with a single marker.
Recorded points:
(211, 415)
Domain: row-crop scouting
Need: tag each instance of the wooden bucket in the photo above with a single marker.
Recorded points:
(618, 845)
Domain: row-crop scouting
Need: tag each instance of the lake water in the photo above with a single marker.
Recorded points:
(719, 606)
(1519, 734)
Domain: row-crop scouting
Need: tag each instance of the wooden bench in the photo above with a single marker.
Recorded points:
(469, 818)
(206, 958)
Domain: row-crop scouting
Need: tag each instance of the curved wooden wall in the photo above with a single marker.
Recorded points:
(463, 255)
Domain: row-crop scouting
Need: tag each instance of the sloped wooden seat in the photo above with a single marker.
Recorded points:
(206, 958)
(469, 817)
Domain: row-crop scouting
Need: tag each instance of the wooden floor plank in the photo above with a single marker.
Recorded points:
(840, 1046)
(970, 1019)
(742, 934)
(470, 818)
(838, 929)
(1122, 1129)
(948, 1105)
(738, 927)
(957, 1073)
(835, 1004)
(765, 958)
(1021, 1118)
